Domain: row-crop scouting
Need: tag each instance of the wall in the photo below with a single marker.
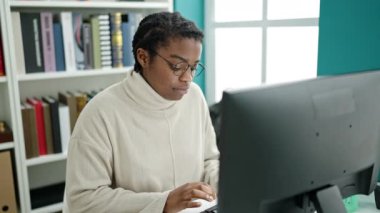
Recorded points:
(194, 10)
(349, 36)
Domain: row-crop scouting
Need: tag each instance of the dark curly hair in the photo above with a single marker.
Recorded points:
(157, 29)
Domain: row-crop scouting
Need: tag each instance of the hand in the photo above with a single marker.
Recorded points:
(181, 197)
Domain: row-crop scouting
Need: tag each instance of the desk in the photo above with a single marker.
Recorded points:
(367, 204)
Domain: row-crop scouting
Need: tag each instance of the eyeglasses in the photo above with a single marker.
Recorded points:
(181, 67)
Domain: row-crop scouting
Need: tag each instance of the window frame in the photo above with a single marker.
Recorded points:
(264, 24)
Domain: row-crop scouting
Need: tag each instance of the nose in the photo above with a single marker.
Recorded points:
(186, 76)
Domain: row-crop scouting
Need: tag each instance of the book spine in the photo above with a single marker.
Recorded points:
(127, 33)
(48, 41)
(95, 41)
(78, 41)
(64, 124)
(59, 51)
(31, 36)
(87, 42)
(30, 131)
(105, 40)
(48, 131)
(55, 126)
(68, 38)
(19, 48)
(117, 40)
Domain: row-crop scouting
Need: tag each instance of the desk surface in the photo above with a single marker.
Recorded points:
(366, 205)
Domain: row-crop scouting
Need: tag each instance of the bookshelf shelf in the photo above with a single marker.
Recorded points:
(3, 79)
(70, 5)
(46, 159)
(7, 145)
(51, 208)
(75, 74)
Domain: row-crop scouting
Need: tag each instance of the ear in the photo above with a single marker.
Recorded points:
(142, 57)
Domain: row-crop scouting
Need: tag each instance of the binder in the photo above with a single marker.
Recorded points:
(7, 188)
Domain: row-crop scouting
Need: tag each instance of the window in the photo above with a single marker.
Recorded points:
(252, 42)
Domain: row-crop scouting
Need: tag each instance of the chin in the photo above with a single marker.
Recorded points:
(174, 97)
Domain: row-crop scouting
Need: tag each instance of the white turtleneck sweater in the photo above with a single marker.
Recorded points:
(130, 147)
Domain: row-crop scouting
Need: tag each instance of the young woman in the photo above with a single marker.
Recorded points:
(147, 144)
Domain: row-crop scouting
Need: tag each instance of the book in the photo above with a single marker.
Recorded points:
(87, 45)
(81, 101)
(68, 38)
(64, 125)
(32, 42)
(105, 41)
(127, 20)
(58, 44)
(94, 21)
(40, 124)
(48, 41)
(7, 184)
(30, 130)
(19, 47)
(69, 99)
(54, 116)
(48, 128)
(117, 40)
(78, 41)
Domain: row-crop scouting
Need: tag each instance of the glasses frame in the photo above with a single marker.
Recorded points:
(177, 71)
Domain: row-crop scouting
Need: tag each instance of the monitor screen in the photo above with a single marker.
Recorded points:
(301, 146)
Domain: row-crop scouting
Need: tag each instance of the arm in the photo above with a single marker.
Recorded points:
(89, 185)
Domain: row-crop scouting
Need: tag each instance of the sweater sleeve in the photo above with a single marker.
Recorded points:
(89, 174)
(211, 160)
(88, 185)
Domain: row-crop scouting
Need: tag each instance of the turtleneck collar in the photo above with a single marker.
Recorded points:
(143, 94)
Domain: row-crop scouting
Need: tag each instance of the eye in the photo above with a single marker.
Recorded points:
(179, 66)
(193, 68)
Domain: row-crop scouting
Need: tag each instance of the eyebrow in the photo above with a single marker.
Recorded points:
(182, 59)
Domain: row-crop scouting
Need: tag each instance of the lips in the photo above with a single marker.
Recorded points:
(182, 90)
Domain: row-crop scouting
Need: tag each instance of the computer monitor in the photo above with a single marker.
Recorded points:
(301, 146)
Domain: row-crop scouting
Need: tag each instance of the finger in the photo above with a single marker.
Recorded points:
(196, 193)
(192, 204)
(207, 188)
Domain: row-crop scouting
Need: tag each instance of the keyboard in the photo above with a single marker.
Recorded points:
(212, 209)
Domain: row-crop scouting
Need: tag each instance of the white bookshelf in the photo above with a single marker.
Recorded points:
(46, 159)
(17, 87)
(48, 209)
(74, 74)
(67, 5)
(7, 145)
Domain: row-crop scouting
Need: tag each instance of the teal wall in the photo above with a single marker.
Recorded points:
(349, 36)
(193, 10)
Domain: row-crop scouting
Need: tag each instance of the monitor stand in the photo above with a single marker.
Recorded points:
(329, 200)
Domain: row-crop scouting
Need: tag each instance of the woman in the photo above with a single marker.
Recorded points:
(147, 144)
